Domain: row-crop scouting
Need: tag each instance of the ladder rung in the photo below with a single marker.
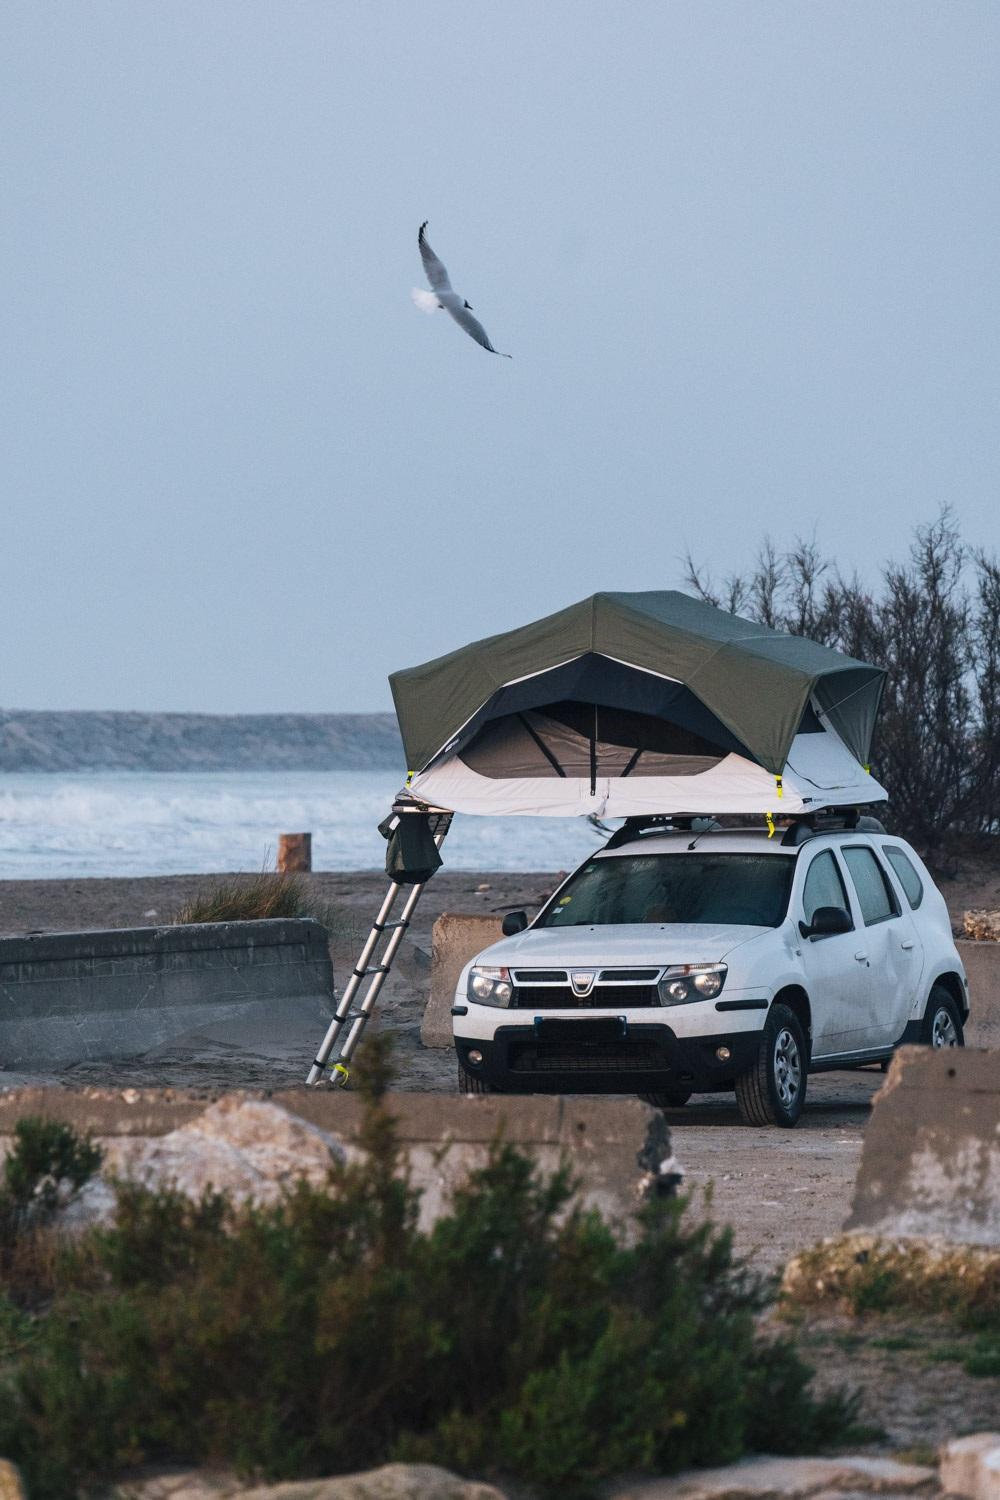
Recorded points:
(386, 926)
(375, 969)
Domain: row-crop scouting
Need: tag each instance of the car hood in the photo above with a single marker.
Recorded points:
(642, 943)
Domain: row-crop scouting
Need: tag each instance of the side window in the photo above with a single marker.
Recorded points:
(872, 885)
(906, 873)
(823, 887)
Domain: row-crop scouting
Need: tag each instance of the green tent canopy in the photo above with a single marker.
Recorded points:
(649, 686)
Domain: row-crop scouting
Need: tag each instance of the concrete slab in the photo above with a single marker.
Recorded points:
(930, 1168)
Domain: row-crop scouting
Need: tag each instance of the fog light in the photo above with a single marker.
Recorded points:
(475, 1057)
(723, 1054)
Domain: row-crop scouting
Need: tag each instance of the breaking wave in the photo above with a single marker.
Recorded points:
(144, 823)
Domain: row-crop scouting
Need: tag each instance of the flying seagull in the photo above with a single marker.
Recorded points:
(442, 296)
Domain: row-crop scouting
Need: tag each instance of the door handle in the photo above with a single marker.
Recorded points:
(906, 946)
(862, 958)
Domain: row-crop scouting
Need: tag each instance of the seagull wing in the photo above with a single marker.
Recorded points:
(474, 329)
(434, 268)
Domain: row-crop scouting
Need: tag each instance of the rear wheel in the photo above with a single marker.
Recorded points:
(942, 1022)
(470, 1083)
(668, 1098)
(773, 1089)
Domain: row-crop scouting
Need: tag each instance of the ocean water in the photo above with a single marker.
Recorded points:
(145, 823)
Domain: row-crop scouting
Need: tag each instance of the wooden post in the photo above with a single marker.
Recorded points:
(294, 853)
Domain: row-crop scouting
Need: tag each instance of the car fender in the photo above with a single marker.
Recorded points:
(941, 972)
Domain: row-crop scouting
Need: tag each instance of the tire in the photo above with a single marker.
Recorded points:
(469, 1083)
(668, 1098)
(942, 1026)
(773, 1089)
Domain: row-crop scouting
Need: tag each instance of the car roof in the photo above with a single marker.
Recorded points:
(714, 841)
(742, 841)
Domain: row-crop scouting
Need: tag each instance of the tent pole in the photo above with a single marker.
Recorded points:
(593, 756)
(375, 973)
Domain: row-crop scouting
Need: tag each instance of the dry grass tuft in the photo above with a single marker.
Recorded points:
(251, 899)
(860, 1273)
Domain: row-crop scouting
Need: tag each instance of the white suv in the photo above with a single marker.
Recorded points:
(678, 961)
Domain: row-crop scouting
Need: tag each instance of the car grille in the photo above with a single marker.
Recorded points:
(601, 997)
(561, 1057)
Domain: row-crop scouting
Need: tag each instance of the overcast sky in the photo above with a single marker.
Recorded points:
(743, 254)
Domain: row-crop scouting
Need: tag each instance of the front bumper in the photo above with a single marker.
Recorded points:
(557, 1056)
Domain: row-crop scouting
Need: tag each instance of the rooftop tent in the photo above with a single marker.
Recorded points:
(629, 704)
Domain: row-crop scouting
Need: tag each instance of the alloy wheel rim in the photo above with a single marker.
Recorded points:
(787, 1068)
(943, 1033)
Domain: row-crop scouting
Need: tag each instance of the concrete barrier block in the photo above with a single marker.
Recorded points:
(930, 1167)
(94, 995)
(444, 1136)
(970, 1466)
(456, 938)
(982, 965)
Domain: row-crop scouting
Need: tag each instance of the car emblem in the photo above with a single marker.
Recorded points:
(582, 981)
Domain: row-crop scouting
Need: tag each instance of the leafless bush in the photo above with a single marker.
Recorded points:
(933, 622)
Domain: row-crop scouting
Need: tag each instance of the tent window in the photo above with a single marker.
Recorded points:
(586, 742)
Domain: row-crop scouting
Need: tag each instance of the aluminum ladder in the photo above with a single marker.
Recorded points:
(370, 966)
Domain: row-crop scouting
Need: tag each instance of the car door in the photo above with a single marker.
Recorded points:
(838, 983)
(891, 943)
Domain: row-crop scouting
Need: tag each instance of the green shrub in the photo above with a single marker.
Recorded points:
(517, 1337)
(47, 1166)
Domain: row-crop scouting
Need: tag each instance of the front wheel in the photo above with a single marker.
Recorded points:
(772, 1091)
(942, 1022)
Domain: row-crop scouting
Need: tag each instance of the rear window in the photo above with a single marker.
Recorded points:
(906, 873)
(747, 890)
(871, 883)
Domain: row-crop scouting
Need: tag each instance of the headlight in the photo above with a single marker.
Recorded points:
(682, 983)
(490, 986)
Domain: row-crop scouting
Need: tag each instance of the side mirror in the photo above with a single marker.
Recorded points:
(827, 920)
(513, 922)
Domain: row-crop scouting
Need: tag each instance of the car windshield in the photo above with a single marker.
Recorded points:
(745, 890)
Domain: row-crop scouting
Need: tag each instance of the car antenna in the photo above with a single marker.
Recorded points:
(711, 826)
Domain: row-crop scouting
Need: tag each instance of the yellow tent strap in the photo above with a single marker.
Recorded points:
(780, 790)
(340, 1074)
(770, 825)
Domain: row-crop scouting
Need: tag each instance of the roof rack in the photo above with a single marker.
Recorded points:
(634, 828)
(800, 830)
(830, 820)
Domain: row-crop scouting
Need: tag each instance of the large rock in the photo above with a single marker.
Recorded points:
(970, 1466)
(250, 1149)
(391, 1482)
(767, 1478)
(11, 1487)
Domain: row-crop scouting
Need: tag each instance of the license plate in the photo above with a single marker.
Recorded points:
(599, 1029)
